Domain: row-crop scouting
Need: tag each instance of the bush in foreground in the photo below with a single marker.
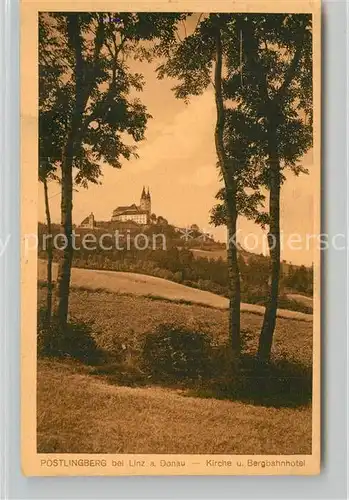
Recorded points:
(189, 351)
(175, 353)
(76, 341)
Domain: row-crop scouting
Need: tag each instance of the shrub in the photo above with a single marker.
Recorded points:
(280, 383)
(174, 352)
(76, 341)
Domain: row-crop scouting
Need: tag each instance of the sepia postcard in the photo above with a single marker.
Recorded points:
(170, 261)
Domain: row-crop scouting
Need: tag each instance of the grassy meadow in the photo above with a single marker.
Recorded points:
(82, 413)
(115, 407)
(127, 283)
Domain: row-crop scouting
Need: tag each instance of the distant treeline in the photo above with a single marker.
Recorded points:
(182, 266)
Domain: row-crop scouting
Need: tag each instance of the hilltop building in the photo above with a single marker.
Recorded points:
(89, 222)
(136, 213)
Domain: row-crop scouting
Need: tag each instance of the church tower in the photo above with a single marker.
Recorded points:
(145, 202)
(149, 201)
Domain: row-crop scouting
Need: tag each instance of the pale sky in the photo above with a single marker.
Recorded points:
(177, 160)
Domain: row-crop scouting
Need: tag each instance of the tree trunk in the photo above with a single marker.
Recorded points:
(230, 202)
(234, 293)
(49, 250)
(64, 272)
(269, 322)
(72, 143)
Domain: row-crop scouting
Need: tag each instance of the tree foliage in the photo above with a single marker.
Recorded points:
(264, 106)
(88, 105)
(274, 91)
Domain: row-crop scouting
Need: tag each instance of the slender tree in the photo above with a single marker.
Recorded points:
(228, 170)
(46, 173)
(93, 103)
(50, 138)
(199, 62)
(276, 89)
(261, 66)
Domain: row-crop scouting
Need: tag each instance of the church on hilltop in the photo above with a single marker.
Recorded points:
(136, 213)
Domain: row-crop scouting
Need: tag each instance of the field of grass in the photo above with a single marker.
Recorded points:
(81, 413)
(302, 299)
(144, 285)
(86, 409)
(220, 253)
(117, 319)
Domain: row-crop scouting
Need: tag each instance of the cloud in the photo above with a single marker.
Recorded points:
(188, 135)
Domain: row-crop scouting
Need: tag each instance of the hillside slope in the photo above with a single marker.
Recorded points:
(141, 284)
